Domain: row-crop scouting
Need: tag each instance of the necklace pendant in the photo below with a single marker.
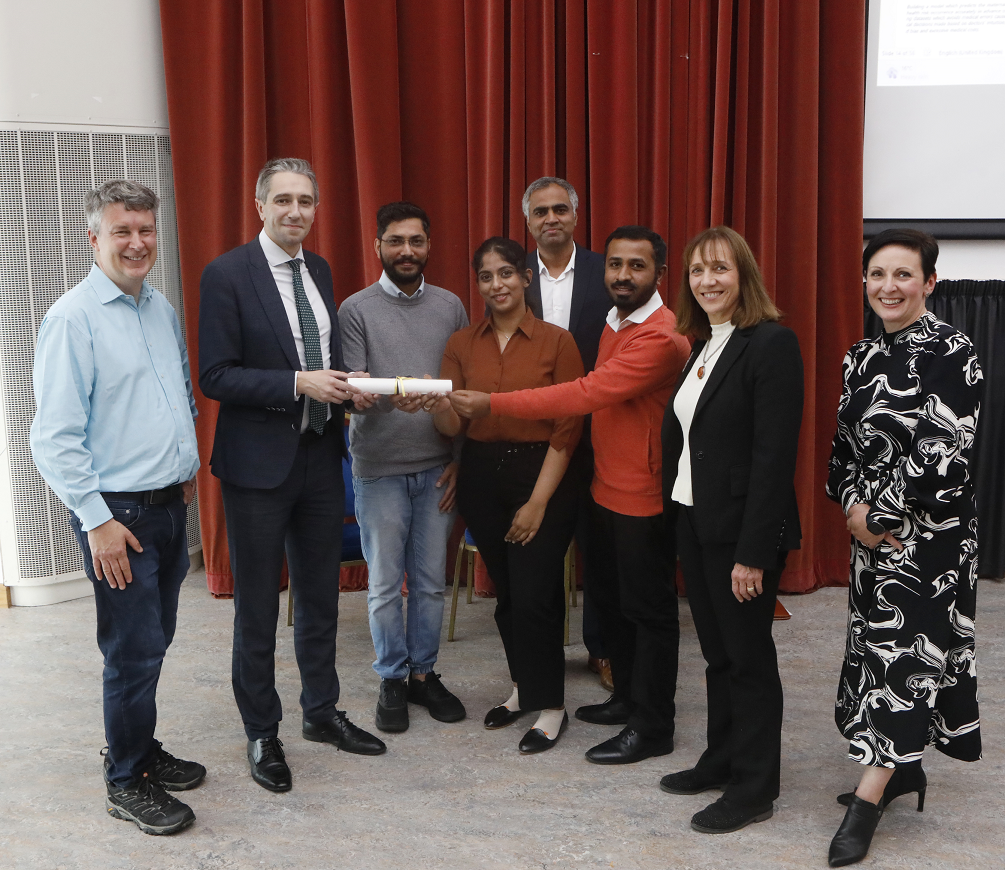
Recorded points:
(701, 372)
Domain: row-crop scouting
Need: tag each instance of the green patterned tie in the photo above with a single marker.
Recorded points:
(317, 414)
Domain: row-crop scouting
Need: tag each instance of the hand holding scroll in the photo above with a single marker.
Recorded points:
(471, 403)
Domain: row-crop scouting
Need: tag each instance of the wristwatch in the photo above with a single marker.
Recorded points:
(875, 527)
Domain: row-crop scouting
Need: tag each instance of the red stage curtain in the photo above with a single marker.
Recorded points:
(672, 113)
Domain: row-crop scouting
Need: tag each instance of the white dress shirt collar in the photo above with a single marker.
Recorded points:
(639, 315)
(569, 267)
(274, 254)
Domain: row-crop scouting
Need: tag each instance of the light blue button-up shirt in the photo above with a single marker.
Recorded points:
(114, 397)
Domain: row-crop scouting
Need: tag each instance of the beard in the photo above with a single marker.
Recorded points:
(639, 297)
(399, 277)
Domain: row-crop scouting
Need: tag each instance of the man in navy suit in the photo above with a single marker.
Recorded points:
(270, 353)
(567, 289)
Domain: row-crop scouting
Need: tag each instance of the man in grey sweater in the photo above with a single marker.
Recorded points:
(403, 471)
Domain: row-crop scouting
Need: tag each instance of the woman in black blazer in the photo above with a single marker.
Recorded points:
(737, 407)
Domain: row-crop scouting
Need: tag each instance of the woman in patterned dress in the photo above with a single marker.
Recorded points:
(900, 469)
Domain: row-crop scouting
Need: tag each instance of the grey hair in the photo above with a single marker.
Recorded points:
(135, 197)
(547, 181)
(283, 164)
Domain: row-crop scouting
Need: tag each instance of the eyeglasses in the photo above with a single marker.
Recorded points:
(416, 243)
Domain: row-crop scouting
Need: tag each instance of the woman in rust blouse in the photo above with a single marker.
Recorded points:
(512, 490)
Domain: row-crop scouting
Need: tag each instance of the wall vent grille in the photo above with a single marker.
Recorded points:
(43, 253)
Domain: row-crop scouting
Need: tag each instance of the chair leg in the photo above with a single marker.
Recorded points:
(453, 595)
(471, 573)
(289, 606)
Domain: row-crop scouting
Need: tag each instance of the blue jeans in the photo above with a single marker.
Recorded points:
(136, 626)
(403, 530)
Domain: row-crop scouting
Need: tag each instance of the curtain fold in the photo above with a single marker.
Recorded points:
(671, 113)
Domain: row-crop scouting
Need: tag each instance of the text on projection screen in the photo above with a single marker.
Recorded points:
(941, 42)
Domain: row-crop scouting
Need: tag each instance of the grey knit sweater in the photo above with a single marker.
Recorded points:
(390, 337)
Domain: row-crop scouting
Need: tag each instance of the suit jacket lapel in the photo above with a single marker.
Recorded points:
(328, 296)
(272, 302)
(736, 344)
(695, 350)
(532, 295)
(580, 281)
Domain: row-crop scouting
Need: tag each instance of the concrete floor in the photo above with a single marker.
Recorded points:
(453, 796)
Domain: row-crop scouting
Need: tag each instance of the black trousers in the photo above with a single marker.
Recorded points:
(581, 468)
(635, 594)
(495, 480)
(741, 676)
(301, 518)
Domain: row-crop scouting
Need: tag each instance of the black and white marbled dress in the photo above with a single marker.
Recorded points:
(904, 444)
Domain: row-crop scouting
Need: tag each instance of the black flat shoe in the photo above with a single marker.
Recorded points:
(689, 782)
(611, 712)
(724, 817)
(536, 740)
(501, 716)
(906, 778)
(340, 732)
(628, 747)
(852, 840)
(268, 764)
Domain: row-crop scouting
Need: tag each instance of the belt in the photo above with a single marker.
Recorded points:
(502, 450)
(148, 497)
(309, 436)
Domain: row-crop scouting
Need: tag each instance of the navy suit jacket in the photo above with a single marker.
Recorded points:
(590, 302)
(246, 359)
(742, 443)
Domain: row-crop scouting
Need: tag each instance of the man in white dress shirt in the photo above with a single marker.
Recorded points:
(270, 353)
(567, 289)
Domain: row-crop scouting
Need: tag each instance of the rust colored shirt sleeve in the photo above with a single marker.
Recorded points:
(641, 364)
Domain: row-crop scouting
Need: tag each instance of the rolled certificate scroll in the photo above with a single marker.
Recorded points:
(400, 386)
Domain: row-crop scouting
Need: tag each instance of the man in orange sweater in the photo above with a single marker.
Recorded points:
(640, 358)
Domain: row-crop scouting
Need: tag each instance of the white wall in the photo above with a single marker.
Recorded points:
(97, 63)
(981, 261)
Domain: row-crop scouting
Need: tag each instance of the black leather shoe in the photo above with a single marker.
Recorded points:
(444, 705)
(628, 747)
(724, 817)
(392, 706)
(852, 840)
(152, 809)
(341, 733)
(906, 778)
(689, 782)
(268, 764)
(611, 712)
(501, 716)
(536, 740)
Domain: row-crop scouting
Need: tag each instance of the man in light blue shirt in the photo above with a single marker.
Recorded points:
(114, 438)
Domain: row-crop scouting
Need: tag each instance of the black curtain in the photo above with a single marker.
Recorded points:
(977, 308)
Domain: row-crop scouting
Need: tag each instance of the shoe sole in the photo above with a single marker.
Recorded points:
(718, 785)
(316, 739)
(179, 786)
(116, 812)
(659, 754)
(760, 817)
(394, 724)
(452, 717)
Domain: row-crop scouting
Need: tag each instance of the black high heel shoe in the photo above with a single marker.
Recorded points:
(852, 840)
(906, 778)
